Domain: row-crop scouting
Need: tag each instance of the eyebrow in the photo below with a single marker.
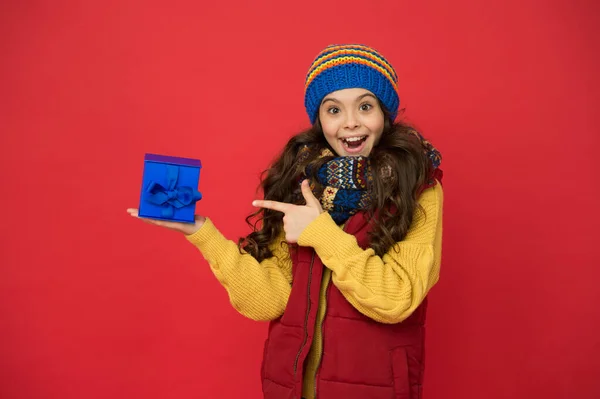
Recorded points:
(357, 99)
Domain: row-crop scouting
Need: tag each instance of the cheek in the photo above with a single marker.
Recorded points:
(376, 125)
(329, 130)
(377, 138)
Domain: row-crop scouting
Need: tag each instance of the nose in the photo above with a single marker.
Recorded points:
(352, 121)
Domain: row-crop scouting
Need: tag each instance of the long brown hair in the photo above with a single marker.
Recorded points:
(399, 168)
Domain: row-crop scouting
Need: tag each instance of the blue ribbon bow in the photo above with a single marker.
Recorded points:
(171, 197)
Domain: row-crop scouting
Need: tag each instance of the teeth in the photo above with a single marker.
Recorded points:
(354, 139)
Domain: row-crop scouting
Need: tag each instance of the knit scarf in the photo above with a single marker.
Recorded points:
(346, 180)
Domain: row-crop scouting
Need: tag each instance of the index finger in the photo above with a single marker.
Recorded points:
(274, 205)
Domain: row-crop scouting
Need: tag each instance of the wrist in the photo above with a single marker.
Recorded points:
(193, 228)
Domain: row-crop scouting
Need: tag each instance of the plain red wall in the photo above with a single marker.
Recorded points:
(94, 304)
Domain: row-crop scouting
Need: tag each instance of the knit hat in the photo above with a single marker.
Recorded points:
(348, 66)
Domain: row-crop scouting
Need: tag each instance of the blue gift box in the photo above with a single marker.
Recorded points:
(170, 188)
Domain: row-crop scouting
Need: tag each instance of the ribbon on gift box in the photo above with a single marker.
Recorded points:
(171, 197)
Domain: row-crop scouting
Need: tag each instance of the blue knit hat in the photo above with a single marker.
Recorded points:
(349, 66)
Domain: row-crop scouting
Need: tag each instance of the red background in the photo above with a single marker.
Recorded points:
(94, 304)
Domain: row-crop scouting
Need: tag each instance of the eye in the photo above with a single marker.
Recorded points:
(333, 110)
(365, 107)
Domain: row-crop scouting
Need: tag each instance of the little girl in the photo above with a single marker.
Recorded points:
(348, 243)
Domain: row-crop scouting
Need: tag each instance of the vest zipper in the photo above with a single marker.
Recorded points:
(322, 335)
(322, 328)
(312, 261)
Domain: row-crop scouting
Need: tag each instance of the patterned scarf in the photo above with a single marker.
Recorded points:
(346, 180)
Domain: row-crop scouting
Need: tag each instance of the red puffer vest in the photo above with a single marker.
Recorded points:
(361, 357)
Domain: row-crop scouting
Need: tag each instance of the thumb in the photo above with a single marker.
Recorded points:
(308, 195)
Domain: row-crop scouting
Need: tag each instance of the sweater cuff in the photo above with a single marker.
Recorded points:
(208, 238)
(327, 238)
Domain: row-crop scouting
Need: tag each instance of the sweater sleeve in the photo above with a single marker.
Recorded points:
(258, 290)
(388, 288)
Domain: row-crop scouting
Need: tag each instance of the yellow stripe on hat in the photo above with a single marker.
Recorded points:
(349, 50)
(348, 60)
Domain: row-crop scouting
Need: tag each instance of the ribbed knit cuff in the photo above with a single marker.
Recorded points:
(208, 239)
(328, 239)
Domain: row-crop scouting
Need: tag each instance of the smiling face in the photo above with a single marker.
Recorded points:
(352, 121)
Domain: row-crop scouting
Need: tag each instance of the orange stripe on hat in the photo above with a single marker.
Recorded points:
(348, 60)
(336, 51)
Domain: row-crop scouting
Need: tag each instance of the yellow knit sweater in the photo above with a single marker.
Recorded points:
(387, 289)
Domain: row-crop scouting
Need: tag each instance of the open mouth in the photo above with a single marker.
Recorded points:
(354, 144)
